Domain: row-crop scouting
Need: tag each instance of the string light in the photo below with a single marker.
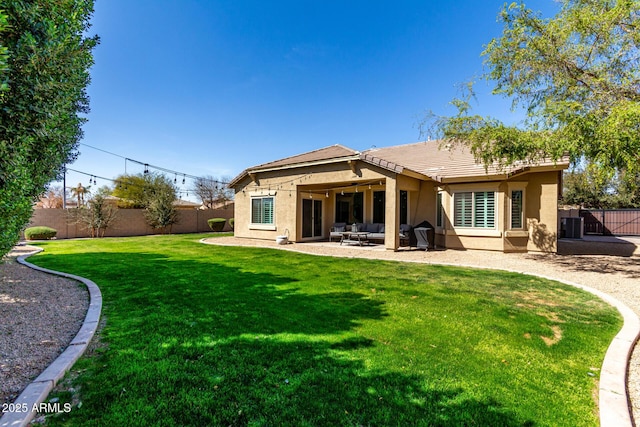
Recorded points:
(147, 167)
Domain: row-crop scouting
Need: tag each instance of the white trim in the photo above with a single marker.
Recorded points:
(263, 193)
(262, 226)
(478, 188)
(477, 232)
(443, 214)
(270, 227)
(511, 187)
(516, 233)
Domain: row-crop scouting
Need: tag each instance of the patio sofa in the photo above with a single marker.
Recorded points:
(375, 230)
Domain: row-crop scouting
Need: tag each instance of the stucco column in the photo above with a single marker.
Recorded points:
(391, 214)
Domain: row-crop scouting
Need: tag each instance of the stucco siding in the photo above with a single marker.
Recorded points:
(297, 189)
(542, 211)
(290, 188)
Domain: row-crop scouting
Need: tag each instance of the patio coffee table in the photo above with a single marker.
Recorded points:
(359, 237)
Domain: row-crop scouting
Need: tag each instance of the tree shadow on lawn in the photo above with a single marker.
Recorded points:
(199, 343)
(222, 300)
(270, 382)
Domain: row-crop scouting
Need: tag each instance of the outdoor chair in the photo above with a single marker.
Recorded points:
(405, 234)
(337, 229)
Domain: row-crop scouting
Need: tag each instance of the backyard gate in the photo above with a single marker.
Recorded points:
(611, 222)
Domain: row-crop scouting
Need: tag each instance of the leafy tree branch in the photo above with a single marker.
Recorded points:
(577, 76)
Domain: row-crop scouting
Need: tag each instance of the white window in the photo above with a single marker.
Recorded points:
(474, 209)
(262, 210)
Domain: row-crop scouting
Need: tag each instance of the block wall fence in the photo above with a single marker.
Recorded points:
(129, 222)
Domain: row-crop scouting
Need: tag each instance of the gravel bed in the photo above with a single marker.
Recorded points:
(39, 316)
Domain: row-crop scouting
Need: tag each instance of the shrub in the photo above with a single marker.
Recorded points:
(231, 222)
(216, 224)
(40, 233)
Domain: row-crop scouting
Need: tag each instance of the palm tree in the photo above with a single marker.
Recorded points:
(80, 192)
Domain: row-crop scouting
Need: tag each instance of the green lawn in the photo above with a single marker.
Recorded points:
(206, 335)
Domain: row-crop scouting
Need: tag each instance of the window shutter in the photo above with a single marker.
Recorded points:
(268, 210)
(484, 215)
(516, 209)
(463, 208)
(256, 210)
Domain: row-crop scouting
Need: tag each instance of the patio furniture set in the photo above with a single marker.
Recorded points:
(363, 233)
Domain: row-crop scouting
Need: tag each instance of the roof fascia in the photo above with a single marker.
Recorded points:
(257, 170)
(508, 175)
(393, 167)
(304, 164)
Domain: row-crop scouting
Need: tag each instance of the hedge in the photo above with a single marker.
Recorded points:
(40, 233)
(216, 224)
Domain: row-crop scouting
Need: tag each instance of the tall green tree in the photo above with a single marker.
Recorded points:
(153, 192)
(137, 191)
(3, 56)
(97, 215)
(585, 187)
(577, 76)
(131, 191)
(46, 75)
(161, 212)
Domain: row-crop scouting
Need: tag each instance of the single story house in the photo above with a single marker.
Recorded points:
(469, 206)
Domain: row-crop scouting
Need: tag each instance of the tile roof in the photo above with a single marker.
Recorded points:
(430, 159)
(323, 154)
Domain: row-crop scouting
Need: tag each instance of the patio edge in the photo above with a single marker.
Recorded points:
(36, 392)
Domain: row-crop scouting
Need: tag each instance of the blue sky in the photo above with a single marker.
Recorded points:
(210, 87)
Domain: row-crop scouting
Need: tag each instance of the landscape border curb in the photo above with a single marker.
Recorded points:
(36, 392)
(614, 407)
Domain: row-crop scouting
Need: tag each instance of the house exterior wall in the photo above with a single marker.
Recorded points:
(291, 186)
(471, 238)
(542, 211)
(539, 230)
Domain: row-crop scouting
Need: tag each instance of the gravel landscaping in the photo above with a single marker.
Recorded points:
(41, 313)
